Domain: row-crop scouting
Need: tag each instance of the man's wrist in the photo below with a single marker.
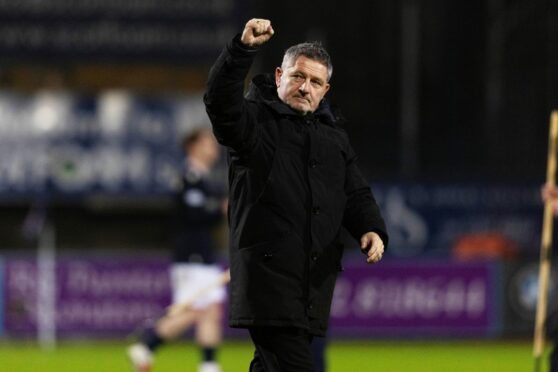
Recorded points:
(237, 42)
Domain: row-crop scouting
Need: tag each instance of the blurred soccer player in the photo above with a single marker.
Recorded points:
(294, 184)
(201, 207)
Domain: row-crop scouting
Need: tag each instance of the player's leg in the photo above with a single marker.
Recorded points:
(554, 358)
(552, 333)
(209, 334)
(167, 328)
(281, 349)
(170, 327)
(318, 346)
(141, 354)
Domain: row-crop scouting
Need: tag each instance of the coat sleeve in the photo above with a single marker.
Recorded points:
(362, 213)
(232, 120)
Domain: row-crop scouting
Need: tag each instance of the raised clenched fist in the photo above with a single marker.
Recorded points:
(256, 32)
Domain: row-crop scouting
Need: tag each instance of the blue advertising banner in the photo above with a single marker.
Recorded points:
(185, 31)
(53, 144)
(486, 221)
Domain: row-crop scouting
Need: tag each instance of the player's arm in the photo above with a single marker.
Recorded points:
(362, 216)
(373, 246)
(224, 98)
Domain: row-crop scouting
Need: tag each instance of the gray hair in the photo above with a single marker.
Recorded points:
(313, 50)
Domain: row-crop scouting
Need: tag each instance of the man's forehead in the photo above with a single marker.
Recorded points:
(304, 63)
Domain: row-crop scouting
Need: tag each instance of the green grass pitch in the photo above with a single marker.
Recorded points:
(343, 356)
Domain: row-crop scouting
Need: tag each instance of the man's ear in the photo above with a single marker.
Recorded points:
(326, 87)
(278, 74)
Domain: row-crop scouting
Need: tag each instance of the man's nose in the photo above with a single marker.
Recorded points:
(303, 88)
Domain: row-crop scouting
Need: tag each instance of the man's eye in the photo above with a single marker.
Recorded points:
(317, 83)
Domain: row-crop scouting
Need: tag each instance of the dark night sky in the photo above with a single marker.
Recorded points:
(459, 137)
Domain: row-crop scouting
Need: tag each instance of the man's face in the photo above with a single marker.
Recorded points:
(205, 149)
(302, 85)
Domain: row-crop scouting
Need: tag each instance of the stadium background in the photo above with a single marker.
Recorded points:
(447, 106)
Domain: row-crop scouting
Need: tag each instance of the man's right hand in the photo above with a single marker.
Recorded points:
(256, 32)
(549, 194)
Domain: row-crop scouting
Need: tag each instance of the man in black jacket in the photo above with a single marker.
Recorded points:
(293, 184)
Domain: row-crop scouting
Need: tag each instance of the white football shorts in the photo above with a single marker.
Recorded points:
(189, 280)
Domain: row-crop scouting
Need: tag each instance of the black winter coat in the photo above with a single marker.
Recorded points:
(293, 184)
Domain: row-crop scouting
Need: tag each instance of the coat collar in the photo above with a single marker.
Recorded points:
(262, 89)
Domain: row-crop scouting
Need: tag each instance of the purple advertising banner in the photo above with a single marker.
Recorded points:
(415, 299)
(114, 296)
(99, 297)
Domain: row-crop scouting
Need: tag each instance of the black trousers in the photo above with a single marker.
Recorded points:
(552, 333)
(317, 347)
(281, 349)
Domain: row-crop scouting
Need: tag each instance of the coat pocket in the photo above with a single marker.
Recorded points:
(263, 223)
(268, 278)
